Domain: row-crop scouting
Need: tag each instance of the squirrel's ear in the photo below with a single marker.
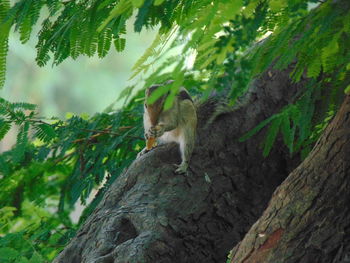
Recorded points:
(150, 90)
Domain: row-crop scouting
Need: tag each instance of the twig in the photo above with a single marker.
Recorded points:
(64, 157)
(106, 131)
(39, 121)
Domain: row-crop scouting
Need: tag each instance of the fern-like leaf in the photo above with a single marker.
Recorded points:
(75, 42)
(104, 42)
(29, 14)
(314, 68)
(119, 44)
(54, 6)
(141, 17)
(4, 31)
(271, 136)
(4, 128)
(22, 140)
(288, 132)
(151, 52)
(123, 7)
(257, 128)
(44, 132)
(22, 106)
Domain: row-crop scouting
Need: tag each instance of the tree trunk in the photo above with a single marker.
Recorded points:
(152, 215)
(308, 217)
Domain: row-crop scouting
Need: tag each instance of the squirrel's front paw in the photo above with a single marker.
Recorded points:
(182, 168)
(155, 131)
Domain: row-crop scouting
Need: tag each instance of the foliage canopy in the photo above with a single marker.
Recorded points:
(57, 162)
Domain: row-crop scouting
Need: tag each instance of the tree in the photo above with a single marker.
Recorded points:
(307, 219)
(281, 93)
(152, 215)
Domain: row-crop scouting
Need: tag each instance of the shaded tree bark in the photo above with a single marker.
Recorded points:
(308, 217)
(152, 215)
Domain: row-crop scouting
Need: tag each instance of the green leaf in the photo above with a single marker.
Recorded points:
(123, 7)
(75, 42)
(22, 140)
(7, 253)
(119, 44)
(314, 68)
(45, 132)
(271, 136)
(306, 106)
(228, 11)
(347, 90)
(158, 93)
(30, 11)
(277, 5)
(169, 101)
(23, 260)
(174, 89)
(150, 52)
(4, 128)
(104, 42)
(126, 93)
(158, 2)
(4, 32)
(249, 9)
(142, 15)
(328, 55)
(36, 258)
(288, 132)
(23, 106)
(257, 128)
(137, 3)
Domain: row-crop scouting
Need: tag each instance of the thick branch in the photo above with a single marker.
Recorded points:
(150, 214)
(308, 218)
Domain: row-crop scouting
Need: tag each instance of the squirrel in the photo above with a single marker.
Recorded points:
(177, 124)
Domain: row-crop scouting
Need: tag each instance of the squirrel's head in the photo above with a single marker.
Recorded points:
(154, 109)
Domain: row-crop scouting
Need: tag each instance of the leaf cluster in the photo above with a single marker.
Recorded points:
(53, 165)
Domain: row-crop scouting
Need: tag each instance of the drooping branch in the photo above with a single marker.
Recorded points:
(150, 214)
(308, 217)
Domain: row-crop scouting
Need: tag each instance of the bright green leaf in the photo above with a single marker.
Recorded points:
(277, 5)
(158, 93)
(347, 90)
(137, 3)
(158, 2)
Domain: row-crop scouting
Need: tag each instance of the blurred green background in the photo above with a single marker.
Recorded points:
(86, 85)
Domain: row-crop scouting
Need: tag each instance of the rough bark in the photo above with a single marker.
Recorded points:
(152, 215)
(308, 217)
